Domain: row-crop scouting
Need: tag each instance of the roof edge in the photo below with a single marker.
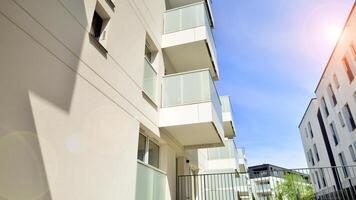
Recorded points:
(336, 45)
(306, 110)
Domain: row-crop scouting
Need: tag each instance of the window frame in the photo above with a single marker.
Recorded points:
(343, 163)
(145, 160)
(348, 69)
(353, 50)
(100, 41)
(336, 81)
(310, 130)
(334, 133)
(149, 67)
(349, 119)
(331, 95)
(316, 152)
(325, 107)
(352, 152)
(341, 119)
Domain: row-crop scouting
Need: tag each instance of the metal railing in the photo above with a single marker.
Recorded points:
(284, 184)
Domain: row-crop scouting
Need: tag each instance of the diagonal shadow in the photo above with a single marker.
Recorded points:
(27, 66)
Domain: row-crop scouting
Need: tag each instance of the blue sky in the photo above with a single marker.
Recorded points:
(271, 54)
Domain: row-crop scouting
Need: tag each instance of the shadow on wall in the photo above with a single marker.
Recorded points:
(28, 66)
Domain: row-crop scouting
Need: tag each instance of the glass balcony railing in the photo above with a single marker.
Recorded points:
(190, 88)
(150, 183)
(263, 187)
(225, 102)
(186, 17)
(150, 81)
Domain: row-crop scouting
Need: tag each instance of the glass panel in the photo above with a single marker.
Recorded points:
(153, 154)
(150, 183)
(187, 88)
(186, 17)
(150, 81)
(190, 88)
(141, 148)
(227, 152)
(342, 122)
(225, 102)
(172, 21)
(148, 53)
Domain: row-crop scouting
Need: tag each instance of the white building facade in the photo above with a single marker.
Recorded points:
(106, 99)
(328, 128)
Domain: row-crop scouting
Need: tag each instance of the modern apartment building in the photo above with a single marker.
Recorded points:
(107, 99)
(264, 179)
(328, 128)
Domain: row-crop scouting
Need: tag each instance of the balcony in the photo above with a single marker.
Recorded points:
(150, 183)
(188, 41)
(171, 4)
(191, 109)
(229, 126)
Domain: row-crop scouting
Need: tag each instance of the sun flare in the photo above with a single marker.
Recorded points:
(332, 33)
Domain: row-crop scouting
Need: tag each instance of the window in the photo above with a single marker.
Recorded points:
(343, 164)
(352, 152)
(310, 130)
(349, 118)
(96, 25)
(314, 180)
(150, 79)
(153, 154)
(342, 122)
(148, 52)
(306, 132)
(310, 157)
(325, 108)
(353, 50)
(148, 151)
(332, 95)
(316, 152)
(141, 148)
(336, 81)
(348, 70)
(317, 178)
(99, 26)
(334, 132)
(322, 175)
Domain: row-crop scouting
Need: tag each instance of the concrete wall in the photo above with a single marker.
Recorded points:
(309, 141)
(70, 115)
(344, 93)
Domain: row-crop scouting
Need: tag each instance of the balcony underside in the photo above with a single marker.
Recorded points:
(229, 128)
(171, 4)
(190, 50)
(191, 135)
(193, 126)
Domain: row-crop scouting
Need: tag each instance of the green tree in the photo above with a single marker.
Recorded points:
(294, 187)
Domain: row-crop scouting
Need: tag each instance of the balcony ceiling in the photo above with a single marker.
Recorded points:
(229, 128)
(190, 135)
(178, 3)
(191, 56)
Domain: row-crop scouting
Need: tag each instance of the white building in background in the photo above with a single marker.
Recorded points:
(106, 99)
(264, 179)
(225, 161)
(328, 127)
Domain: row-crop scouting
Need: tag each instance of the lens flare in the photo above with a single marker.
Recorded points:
(332, 33)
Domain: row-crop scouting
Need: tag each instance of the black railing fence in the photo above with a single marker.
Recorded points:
(287, 184)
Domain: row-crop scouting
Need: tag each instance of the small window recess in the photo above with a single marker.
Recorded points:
(100, 27)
